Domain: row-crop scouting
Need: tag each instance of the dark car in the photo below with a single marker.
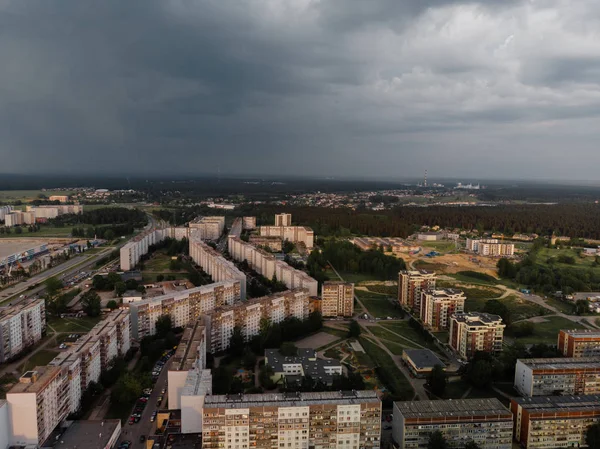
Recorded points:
(142, 438)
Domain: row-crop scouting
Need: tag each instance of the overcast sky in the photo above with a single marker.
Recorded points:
(482, 89)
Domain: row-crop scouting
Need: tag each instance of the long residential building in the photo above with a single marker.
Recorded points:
(337, 299)
(35, 214)
(132, 252)
(474, 331)
(437, 306)
(21, 326)
(182, 306)
(579, 343)
(214, 264)
(324, 420)
(411, 284)
(267, 265)
(294, 234)
(490, 247)
(551, 422)
(484, 421)
(208, 228)
(248, 315)
(551, 376)
(37, 404)
(248, 223)
(5, 210)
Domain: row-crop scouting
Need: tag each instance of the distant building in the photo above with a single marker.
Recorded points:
(101, 434)
(248, 223)
(552, 376)
(21, 326)
(5, 210)
(60, 198)
(411, 284)
(14, 219)
(430, 236)
(579, 343)
(273, 243)
(293, 420)
(474, 331)
(484, 421)
(283, 219)
(208, 228)
(421, 361)
(490, 247)
(554, 421)
(291, 369)
(338, 299)
(437, 306)
(294, 234)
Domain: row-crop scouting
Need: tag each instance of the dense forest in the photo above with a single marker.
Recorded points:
(102, 216)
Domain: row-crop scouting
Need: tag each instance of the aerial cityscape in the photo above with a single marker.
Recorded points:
(299, 224)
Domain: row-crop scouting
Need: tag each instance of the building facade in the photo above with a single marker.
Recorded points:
(283, 219)
(552, 422)
(437, 306)
(21, 326)
(208, 228)
(411, 284)
(474, 331)
(290, 370)
(248, 223)
(337, 299)
(484, 421)
(553, 376)
(490, 247)
(579, 343)
(324, 420)
(183, 306)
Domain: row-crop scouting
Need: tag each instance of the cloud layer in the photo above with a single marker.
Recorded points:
(489, 88)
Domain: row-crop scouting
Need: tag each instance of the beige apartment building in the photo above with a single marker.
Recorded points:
(283, 219)
(248, 223)
(487, 422)
(437, 306)
(183, 306)
(552, 376)
(337, 299)
(214, 264)
(273, 243)
(208, 228)
(37, 404)
(294, 234)
(21, 326)
(579, 343)
(552, 422)
(266, 264)
(248, 315)
(60, 198)
(411, 285)
(325, 420)
(14, 219)
(490, 247)
(474, 331)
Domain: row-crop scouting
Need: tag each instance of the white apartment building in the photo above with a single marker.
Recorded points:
(294, 234)
(5, 436)
(132, 252)
(475, 331)
(183, 306)
(8, 209)
(214, 264)
(14, 219)
(490, 247)
(337, 299)
(437, 306)
(247, 315)
(267, 265)
(21, 326)
(487, 422)
(344, 420)
(208, 228)
(558, 376)
(37, 404)
(283, 219)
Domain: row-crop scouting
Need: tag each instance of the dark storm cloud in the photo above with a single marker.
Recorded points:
(336, 87)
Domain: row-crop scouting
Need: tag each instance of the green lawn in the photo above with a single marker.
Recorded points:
(461, 276)
(159, 261)
(393, 378)
(388, 290)
(75, 325)
(442, 246)
(383, 333)
(404, 329)
(580, 262)
(356, 277)
(547, 331)
(337, 332)
(151, 276)
(380, 307)
(520, 309)
(29, 195)
(563, 306)
(40, 358)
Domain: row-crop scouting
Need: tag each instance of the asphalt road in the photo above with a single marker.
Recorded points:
(144, 426)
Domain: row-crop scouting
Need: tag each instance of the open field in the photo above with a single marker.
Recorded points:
(44, 232)
(380, 307)
(158, 262)
(580, 261)
(316, 340)
(520, 309)
(77, 325)
(441, 246)
(40, 358)
(563, 306)
(17, 245)
(546, 330)
(29, 195)
(452, 263)
(403, 328)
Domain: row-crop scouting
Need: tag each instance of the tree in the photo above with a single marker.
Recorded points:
(480, 373)
(522, 329)
(90, 303)
(237, 342)
(160, 278)
(164, 324)
(437, 380)
(437, 441)
(112, 304)
(354, 329)
(99, 283)
(581, 307)
(109, 234)
(249, 360)
(592, 436)
(288, 349)
(496, 307)
(472, 445)
(53, 286)
(126, 390)
(120, 288)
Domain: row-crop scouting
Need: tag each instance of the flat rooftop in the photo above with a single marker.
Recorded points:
(290, 399)
(579, 333)
(477, 318)
(311, 365)
(88, 434)
(187, 350)
(562, 363)
(45, 374)
(560, 403)
(453, 408)
(6, 312)
(423, 358)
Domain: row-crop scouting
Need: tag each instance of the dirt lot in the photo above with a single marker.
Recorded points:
(453, 263)
(316, 341)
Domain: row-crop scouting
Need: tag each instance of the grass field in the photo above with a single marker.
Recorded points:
(44, 232)
(520, 309)
(77, 325)
(40, 358)
(472, 280)
(337, 332)
(580, 262)
(443, 246)
(29, 195)
(563, 306)
(158, 262)
(356, 277)
(547, 331)
(380, 307)
(404, 329)
(394, 380)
